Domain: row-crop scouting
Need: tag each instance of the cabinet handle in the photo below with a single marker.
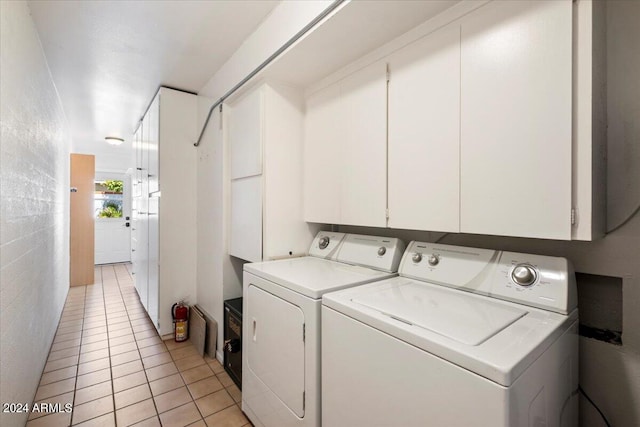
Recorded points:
(254, 329)
(133, 250)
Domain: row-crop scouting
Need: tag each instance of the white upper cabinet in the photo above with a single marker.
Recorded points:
(265, 143)
(363, 196)
(153, 145)
(246, 218)
(515, 148)
(245, 130)
(323, 134)
(345, 150)
(424, 133)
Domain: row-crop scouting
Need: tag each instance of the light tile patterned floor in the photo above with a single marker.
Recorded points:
(108, 361)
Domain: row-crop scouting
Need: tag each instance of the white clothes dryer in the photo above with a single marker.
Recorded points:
(463, 337)
(281, 322)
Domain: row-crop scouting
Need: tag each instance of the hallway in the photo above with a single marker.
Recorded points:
(109, 364)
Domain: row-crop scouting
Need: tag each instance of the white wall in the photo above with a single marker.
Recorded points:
(609, 374)
(288, 18)
(34, 237)
(109, 158)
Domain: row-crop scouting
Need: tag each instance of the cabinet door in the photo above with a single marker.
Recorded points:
(363, 197)
(324, 126)
(245, 135)
(516, 119)
(424, 133)
(246, 218)
(345, 151)
(153, 147)
(154, 262)
(135, 182)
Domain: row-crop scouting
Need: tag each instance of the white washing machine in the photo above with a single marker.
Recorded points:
(281, 322)
(463, 337)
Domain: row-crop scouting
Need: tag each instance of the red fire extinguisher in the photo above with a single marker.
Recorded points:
(180, 313)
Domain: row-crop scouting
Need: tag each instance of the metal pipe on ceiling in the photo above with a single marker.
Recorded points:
(268, 61)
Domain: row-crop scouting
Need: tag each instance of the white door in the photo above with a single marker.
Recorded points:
(424, 133)
(515, 144)
(245, 240)
(112, 208)
(363, 198)
(345, 150)
(275, 346)
(153, 287)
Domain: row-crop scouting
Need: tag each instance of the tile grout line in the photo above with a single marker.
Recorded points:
(157, 415)
(75, 383)
(29, 419)
(106, 321)
(108, 351)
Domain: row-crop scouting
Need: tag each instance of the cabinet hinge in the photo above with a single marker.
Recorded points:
(220, 109)
(304, 332)
(386, 213)
(304, 400)
(573, 216)
(388, 74)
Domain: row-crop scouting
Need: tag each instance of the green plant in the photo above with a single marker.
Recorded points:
(110, 211)
(115, 186)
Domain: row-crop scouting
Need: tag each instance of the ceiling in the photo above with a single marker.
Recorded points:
(108, 58)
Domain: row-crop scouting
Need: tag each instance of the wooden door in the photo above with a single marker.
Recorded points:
(82, 220)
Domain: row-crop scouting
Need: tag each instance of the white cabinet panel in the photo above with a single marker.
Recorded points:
(164, 261)
(153, 143)
(276, 324)
(324, 129)
(154, 254)
(424, 133)
(345, 151)
(516, 119)
(246, 218)
(363, 197)
(136, 179)
(245, 135)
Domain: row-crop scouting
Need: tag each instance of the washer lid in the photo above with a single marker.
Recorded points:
(313, 276)
(407, 309)
(453, 315)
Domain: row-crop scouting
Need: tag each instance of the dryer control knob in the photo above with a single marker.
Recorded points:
(524, 275)
(382, 250)
(433, 260)
(417, 257)
(323, 242)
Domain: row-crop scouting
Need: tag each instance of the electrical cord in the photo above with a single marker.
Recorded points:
(635, 211)
(441, 237)
(606, 421)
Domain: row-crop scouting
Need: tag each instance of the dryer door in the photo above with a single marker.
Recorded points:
(275, 346)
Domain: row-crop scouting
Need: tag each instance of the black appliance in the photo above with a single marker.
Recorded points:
(233, 339)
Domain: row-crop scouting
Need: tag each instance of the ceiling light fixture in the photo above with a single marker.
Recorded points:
(113, 140)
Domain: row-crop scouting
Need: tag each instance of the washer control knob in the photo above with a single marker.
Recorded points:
(382, 250)
(433, 260)
(524, 275)
(323, 242)
(417, 257)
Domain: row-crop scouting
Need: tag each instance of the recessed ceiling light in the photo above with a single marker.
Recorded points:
(114, 140)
